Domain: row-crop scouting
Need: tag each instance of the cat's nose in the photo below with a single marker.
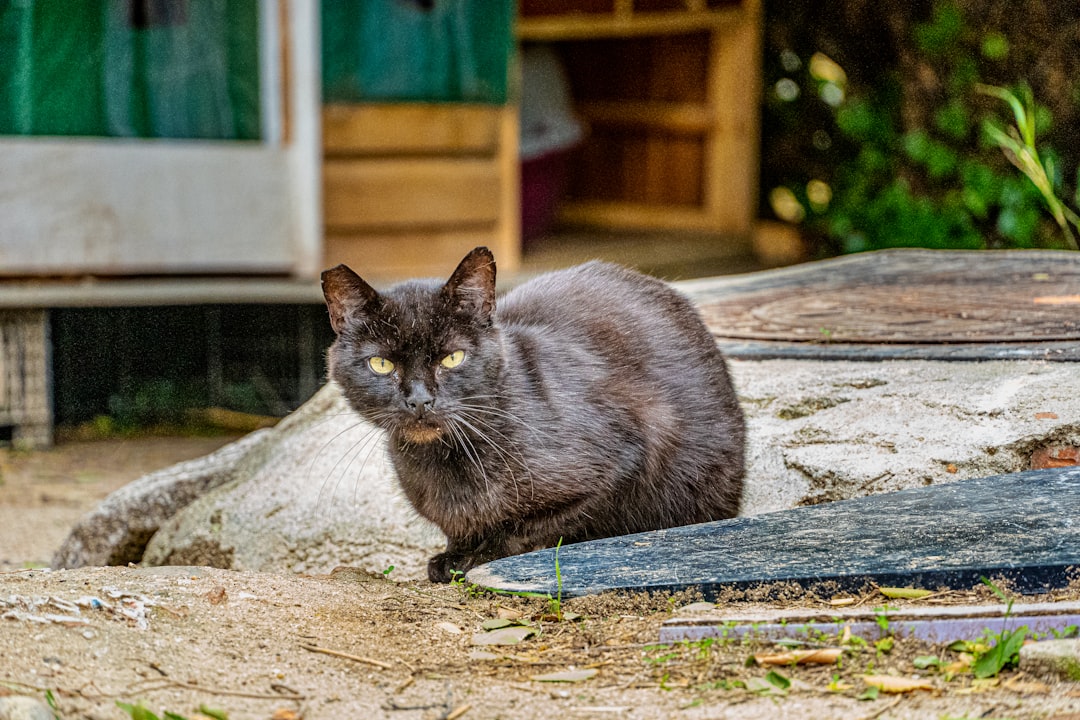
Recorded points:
(419, 398)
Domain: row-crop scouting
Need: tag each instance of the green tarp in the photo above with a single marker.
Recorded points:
(130, 68)
(416, 50)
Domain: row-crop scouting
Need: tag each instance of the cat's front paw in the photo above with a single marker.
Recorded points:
(446, 567)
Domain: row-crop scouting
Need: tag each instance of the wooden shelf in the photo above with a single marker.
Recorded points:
(673, 117)
(587, 26)
(411, 129)
(638, 216)
(410, 188)
(671, 100)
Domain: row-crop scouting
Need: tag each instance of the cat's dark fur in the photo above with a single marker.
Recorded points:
(592, 403)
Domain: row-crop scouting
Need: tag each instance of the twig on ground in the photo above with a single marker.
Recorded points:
(347, 656)
(163, 684)
(458, 711)
(880, 711)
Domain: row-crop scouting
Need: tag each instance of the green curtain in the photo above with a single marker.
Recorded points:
(130, 68)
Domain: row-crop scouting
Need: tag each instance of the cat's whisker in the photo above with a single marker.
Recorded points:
(355, 449)
(321, 450)
(504, 415)
(470, 452)
(373, 431)
(508, 459)
(373, 441)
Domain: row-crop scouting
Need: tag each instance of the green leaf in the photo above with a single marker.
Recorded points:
(924, 661)
(212, 713)
(871, 693)
(777, 680)
(762, 686)
(953, 120)
(995, 46)
(1003, 653)
(496, 623)
(137, 712)
(939, 35)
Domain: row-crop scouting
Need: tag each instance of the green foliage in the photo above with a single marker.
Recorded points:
(901, 177)
(1005, 644)
(1018, 144)
(138, 711)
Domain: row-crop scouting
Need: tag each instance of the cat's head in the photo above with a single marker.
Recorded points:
(420, 357)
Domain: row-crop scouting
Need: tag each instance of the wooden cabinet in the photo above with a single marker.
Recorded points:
(410, 188)
(670, 91)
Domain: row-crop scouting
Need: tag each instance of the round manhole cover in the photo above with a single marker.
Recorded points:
(910, 297)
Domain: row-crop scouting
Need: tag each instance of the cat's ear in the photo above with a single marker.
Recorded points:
(472, 286)
(348, 297)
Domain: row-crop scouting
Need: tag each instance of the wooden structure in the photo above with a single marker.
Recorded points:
(25, 407)
(410, 188)
(130, 206)
(669, 89)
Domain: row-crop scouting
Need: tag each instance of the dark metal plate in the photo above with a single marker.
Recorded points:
(915, 298)
(1021, 526)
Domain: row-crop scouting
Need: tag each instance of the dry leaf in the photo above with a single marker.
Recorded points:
(904, 593)
(842, 601)
(959, 666)
(511, 635)
(891, 684)
(567, 676)
(505, 613)
(1046, 416)
(1026, 686)
(449, 627)
(822, 656)
(951, 468)
(979, 685)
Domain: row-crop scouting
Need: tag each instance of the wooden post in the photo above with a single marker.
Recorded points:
(731, 174)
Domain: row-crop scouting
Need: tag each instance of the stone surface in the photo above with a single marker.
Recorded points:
(1052, 659)
(317, 491)
(116, 532)
(20, 707)
(823, 431)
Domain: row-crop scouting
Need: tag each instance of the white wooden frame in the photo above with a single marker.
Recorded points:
(77, 206)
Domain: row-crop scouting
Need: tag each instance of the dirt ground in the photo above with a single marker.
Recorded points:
(350, 645)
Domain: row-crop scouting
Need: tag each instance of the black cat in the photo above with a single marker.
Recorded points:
(593, 402)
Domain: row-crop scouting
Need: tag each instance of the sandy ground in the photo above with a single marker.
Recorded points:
(43, 493)
(351, 645)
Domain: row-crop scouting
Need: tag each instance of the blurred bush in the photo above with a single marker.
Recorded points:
(875, 129)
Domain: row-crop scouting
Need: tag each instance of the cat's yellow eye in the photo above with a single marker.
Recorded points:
(454, 359)
(380, 365)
